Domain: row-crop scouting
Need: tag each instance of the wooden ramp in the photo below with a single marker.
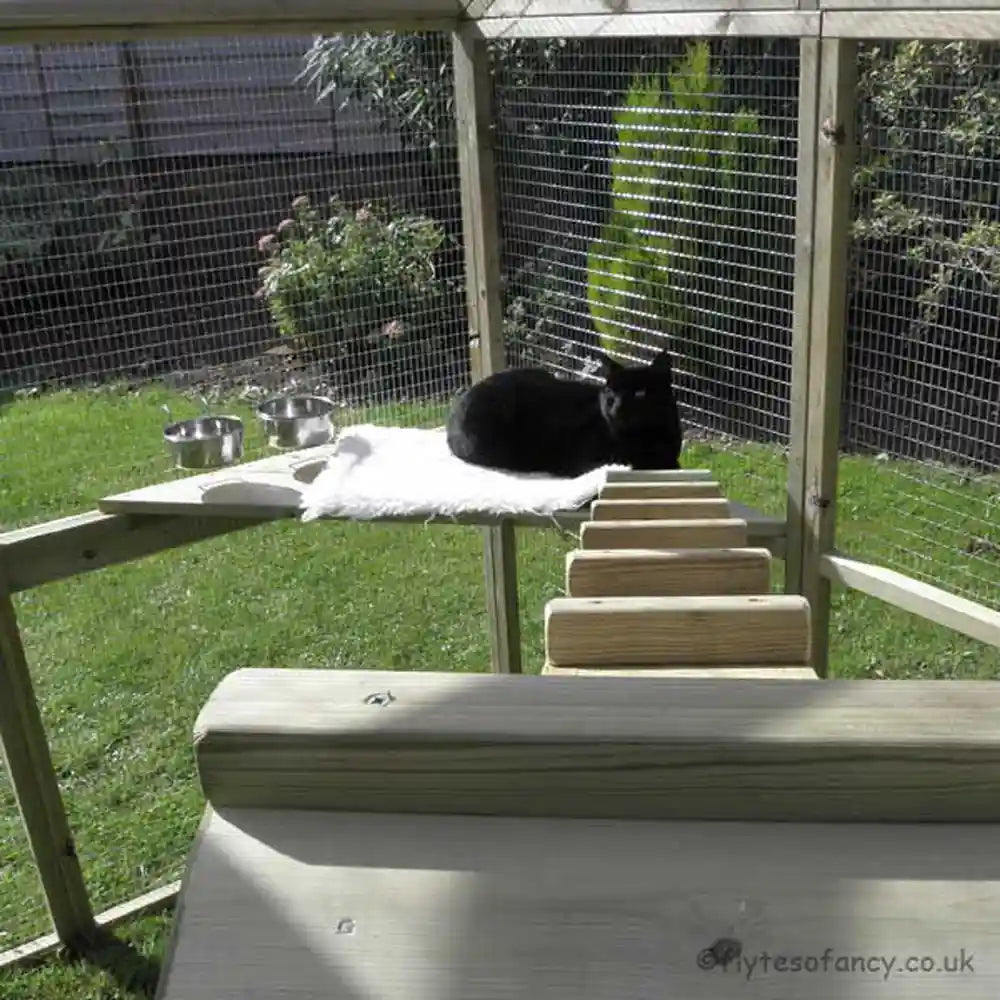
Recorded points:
(434, 836)
(664, 582)
(709, 828)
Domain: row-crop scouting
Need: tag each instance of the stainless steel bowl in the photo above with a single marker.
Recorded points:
(205, 442)
(296, 421)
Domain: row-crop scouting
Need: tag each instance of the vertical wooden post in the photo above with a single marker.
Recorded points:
(805, 204)
(835, 154)
(26, 752)
(481, 228)
(475, 366)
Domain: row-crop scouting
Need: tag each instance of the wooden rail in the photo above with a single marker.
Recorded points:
(683, 748)
(55, 21)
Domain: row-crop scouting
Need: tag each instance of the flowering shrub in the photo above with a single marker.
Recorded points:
(342, 281)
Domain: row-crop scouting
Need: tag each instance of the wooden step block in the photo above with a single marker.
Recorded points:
(317, 906)
(635, 748)
(693, 490)
(766, 629)
(696, 533)
(743, 673)
(667, 572)
(659, 510)
(658, 475)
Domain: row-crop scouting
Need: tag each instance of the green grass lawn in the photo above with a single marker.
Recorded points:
(124, 658)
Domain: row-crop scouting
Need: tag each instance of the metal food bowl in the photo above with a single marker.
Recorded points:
(296, 421)
(205, 442)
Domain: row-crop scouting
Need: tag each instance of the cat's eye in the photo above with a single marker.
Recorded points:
(640, 393)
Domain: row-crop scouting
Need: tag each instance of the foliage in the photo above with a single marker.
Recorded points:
(400, 77)
(31, 213)
(927, 192)
(406, 83)
(925, 207)
(407, 80)
(347, 278)
(535, 318)
(45, 214)
(673, 183)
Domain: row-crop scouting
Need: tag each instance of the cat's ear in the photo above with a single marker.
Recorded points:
(662, 363)
(607, 366)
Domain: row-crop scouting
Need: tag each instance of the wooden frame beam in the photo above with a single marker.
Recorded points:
(71, 546)
(535, 10)
(701, 21)
(805, 198)
(929, 25)
(914, 7)
(63, 21)
(834, 145)
(922, 599)
(481, 221)
(29, 764)
(56, 20)
(154, 901)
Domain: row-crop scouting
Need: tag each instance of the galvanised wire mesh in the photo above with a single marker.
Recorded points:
(157, 247)
(921, 491)
(206, 222)
(648, 200)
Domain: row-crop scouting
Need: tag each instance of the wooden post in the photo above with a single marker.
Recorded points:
(480, 224)
(29, 764)
(475, 365)
(805, 200)
(834, 142)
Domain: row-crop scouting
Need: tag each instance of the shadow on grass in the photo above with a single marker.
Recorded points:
(135, 974)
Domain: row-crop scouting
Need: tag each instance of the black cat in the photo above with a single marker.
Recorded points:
(527, 420)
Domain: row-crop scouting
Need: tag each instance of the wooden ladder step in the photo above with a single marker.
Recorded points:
(743, 630)
(699, 508)
(800, 673)
(693, 490)
(667, 572)
(658, 475)
(693, 533)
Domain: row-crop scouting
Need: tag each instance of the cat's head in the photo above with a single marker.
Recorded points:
(637, 397)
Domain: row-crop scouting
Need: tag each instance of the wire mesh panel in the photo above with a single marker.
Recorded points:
(921, 493)
(648, 201)
(207, 223)
(222, 218)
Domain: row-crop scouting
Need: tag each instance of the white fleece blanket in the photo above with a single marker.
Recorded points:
(400, 471)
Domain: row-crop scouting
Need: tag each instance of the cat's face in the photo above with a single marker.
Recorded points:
(638, 397)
